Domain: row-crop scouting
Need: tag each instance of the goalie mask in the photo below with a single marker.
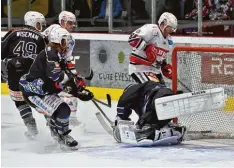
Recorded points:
(168, 19)
(35, 19)
(60, 36)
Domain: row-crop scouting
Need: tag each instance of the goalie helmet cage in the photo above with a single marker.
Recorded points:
(200, 68)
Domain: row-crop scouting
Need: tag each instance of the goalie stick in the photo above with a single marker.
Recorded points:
(103, 113)
(102, 121)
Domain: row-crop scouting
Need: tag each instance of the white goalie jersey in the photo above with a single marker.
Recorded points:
(46, 33)
(149, 34)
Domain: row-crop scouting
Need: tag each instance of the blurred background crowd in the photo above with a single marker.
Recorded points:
(92, 15)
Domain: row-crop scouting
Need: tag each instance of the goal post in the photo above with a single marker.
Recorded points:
(200, 68)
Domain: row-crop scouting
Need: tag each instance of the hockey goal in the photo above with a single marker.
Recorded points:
(199, 68)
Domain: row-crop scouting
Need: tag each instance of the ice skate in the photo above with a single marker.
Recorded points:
(66, 141)
(53, 130)
(74, 122)
(30, 123)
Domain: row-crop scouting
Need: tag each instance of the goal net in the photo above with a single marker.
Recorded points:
(200, 68)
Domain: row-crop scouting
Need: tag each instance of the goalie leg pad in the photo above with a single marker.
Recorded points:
(116, 134)
(147, 136)
(126, 130)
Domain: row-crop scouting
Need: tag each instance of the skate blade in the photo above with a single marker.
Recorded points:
(67, 148)
(145, 142)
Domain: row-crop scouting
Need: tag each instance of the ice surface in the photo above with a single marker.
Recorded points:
(97, 148)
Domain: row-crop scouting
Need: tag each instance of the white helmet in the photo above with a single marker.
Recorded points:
(31, 18)
(169, 20)
(67, 16)
(60, 36)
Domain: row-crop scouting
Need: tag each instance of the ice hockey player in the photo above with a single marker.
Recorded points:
(151, 44)
(67, 20)
(19, 49)
(48, 76)
(148, 129)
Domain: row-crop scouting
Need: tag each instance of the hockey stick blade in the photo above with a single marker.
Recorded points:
(108, 97)
(99, 108)
(106, 127)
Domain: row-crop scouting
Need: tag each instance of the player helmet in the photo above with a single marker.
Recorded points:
(32, 18)
(60, 36)
(67, 16)
(169, 20)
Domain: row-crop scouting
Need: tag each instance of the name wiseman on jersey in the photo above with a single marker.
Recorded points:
(28, 34)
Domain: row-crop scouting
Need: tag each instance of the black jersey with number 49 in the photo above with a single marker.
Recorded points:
(24, 43)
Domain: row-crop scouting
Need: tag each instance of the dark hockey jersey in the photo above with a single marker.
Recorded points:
(25, 43)
(140, 98)
(44, 75)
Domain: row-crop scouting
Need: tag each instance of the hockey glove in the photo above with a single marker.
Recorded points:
(167, 71)
(78, 90)
(62, 64)
(85, 95)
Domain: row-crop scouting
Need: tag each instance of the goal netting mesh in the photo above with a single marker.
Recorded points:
(200, 68)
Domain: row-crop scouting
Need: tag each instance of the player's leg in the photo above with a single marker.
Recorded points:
(124, 108)
(22, 106)
(72, 103)
(59, 113)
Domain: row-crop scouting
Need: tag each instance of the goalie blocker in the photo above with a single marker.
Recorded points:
(148, 130)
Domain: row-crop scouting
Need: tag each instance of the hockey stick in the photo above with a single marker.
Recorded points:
(186, 87)
(108, 104)
(104, 124)
(99, 117)
(99, 108)
(102, 121)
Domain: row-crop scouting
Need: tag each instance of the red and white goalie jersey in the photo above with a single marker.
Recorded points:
(150, 49)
